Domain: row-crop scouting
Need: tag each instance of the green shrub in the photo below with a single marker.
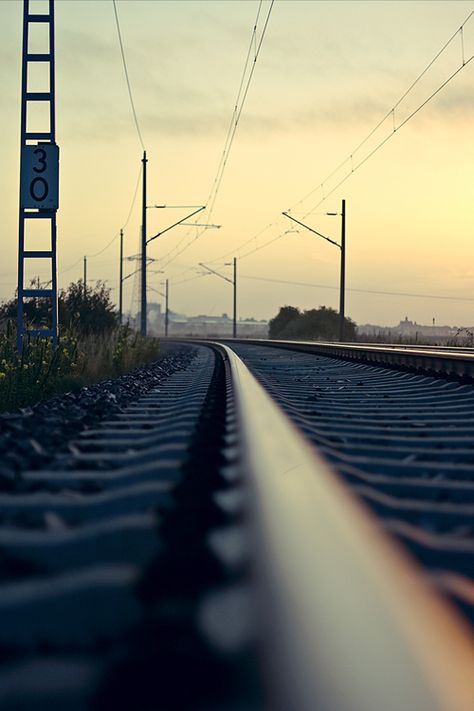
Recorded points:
(40, 371)
(36, 372)
(83, 311)
(92, 346)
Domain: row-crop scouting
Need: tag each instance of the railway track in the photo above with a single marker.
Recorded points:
(268, 527)
(403, 442)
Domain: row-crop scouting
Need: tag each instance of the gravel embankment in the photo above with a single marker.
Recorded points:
(32, 436)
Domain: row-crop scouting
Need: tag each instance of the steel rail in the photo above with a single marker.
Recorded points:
(422, 359)
(359, 344)
(349, 622)
(412, 346)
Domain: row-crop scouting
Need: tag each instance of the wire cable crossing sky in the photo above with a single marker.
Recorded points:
(245, 81)
(353, 167)
(335, 83)
(127, 78)
(391, 114)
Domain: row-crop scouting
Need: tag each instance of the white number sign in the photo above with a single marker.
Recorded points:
(40, 176)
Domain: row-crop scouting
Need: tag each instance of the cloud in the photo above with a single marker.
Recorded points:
(455, 102)
(90, 119)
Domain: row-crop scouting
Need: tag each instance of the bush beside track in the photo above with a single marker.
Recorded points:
(92, 347)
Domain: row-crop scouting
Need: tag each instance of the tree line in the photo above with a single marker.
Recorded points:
(314, 324)
(85, 311)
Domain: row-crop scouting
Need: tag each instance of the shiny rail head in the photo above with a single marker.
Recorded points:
(455, 362)
(349, 622)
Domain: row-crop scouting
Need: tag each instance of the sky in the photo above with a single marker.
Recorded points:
(326, 74)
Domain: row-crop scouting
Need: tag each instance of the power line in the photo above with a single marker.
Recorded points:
(350, 158)
(238, 109)
(368, 156)
(233, 252)
(126, 75)
(359, 291)
(390, 135)
(391, 113)
(71, 266)
(242, 93)
(96, 254)
(262, 246)
(238, 106)
(232, 123)
(312, 285)
(109, 244)
(134, 198)
(183, 281)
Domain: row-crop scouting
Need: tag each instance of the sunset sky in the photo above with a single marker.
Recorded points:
(326, 74)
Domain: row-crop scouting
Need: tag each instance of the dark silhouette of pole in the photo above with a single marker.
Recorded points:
(143, 305)
(234, 285)
(84, 277)
(234, 327)
(342, 247)
(121, 279)
(343, 271)
(166, 309)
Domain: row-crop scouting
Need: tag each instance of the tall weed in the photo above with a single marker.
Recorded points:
(40, 371)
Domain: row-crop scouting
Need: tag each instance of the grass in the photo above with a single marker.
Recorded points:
(40, 372)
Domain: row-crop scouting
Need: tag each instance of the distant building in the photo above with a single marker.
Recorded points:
(202, 325)
(209, 326)
(411, 330)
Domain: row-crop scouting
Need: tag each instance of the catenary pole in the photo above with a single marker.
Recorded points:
(166, 309)
(143, 304)
(343, 271)
(121, 279)
(234, 325)
(342, 247)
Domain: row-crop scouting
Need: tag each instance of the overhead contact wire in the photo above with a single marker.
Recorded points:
(355, 166)
(122, 52)
(238, 108)
(391, 112)
(109, 244)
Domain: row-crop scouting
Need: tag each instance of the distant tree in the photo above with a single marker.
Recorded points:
(278, 324)
(320, 323)
(314, 324)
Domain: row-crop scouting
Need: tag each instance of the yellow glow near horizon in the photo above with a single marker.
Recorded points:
(327, 72)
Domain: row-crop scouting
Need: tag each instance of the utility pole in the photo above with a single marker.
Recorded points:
(342, 247)
(142, 257)
(121, 279)
(166, 309)
(234, 326)
(234, 288)
(343, 271)
(143, 306)
(84, 278)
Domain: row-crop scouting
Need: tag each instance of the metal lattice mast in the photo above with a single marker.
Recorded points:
(39, 171)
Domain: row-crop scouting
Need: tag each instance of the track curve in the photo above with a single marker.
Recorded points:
(126, 555)
(404, 443)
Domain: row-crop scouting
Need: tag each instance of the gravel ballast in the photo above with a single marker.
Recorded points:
(31, 437)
